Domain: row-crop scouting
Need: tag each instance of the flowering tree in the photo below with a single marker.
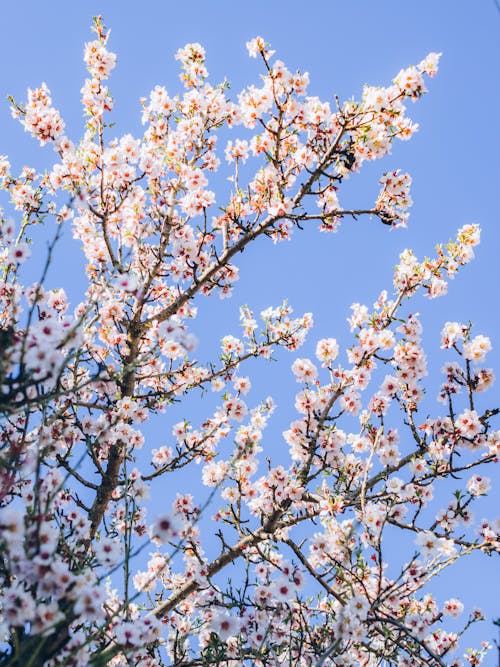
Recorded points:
(304, 543)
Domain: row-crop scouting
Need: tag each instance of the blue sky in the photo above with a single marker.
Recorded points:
(453, 159)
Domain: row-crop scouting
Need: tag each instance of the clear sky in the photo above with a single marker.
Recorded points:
(453, 159)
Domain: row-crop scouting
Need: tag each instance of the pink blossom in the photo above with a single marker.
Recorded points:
(477, 349)
(224, 625)
(99, 60)
(166, 528)
(468, 423)
(304, 370)
(453, 607)
(478, 485)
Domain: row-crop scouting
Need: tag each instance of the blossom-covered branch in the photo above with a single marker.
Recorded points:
(93, 573)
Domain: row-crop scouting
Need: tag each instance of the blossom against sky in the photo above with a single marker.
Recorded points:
(452, 160)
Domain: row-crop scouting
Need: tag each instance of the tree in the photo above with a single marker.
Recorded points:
(299, 577)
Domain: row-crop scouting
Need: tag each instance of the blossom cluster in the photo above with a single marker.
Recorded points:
(302, 528)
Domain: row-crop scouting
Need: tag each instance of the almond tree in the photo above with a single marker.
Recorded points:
(299, 577)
